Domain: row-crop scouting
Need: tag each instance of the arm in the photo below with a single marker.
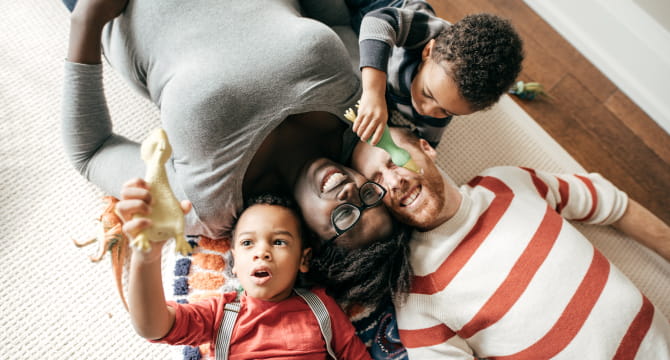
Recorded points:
(592, 199)
(150, 315)
(104, 158)
(645, 227)
(410, 28)
(372, 111)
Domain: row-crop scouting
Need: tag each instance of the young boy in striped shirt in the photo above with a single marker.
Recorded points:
(428, 70)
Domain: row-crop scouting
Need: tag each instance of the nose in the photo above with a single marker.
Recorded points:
(348, 192)
(262, 252)
(392, 180)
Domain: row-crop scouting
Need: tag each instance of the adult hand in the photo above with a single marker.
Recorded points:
(642, 225)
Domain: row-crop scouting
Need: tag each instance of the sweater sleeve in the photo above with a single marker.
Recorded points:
(101, 156)
(588, 198)
(346, 344)
(410, 27)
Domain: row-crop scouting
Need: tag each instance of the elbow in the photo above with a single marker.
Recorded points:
(149, 331)
(79, 161)
(152, 324)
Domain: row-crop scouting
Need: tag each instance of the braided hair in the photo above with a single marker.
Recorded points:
(368, 275)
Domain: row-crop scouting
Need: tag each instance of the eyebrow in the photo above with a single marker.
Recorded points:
(278, 232)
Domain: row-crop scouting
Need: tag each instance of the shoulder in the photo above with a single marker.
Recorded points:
(321, 293)
(420, 6)
(504, 174)
(327, 300)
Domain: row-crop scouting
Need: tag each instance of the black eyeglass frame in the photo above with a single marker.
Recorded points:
(361, 208)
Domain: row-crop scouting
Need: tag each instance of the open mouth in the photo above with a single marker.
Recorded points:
(261, 275)
(332, 179)
(408, 199)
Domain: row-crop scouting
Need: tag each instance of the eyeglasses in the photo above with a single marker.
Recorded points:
(346, 215)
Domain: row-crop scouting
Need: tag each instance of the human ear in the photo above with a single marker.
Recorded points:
(304, 260)
(427, 49)
(427, 148)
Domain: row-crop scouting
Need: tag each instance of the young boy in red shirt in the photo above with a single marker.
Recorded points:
(270, 248)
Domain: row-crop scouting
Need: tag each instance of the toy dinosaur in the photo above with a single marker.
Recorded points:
(166, 215)
(110, 238)
(528, 91)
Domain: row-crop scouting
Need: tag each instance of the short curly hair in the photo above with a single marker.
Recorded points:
(307, 236)
(483, 53)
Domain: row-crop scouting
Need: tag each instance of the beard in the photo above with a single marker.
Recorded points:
(428, 215)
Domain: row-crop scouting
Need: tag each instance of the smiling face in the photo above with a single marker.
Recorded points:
(434, 92)
(323, 185)
(267, 251)
(423, 200)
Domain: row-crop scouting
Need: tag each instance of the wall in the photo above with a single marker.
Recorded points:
(658, 9)
(622, 40)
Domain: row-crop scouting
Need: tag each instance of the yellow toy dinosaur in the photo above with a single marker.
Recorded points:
(167, 216)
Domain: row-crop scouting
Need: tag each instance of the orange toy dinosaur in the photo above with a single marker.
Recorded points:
(110, 237)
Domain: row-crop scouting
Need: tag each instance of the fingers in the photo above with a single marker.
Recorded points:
(365, 132)
(135, 199)
(377, 136)
(133, 227)
(186, 206)
(371, 128)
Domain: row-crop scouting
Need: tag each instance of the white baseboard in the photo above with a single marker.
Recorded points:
(623, 42)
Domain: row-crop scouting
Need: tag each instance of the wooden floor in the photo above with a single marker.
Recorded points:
(587, 114)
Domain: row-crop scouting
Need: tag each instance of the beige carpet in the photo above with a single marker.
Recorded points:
(55, 304)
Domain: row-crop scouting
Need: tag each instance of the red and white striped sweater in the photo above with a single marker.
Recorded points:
(509, 278)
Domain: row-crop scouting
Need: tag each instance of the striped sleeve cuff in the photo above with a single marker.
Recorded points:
(374, 53)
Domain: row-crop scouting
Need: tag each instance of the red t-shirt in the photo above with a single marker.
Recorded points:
(265, 329)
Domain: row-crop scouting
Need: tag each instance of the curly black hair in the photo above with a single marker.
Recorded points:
(307, 236)
(483, 54)
(366, 276)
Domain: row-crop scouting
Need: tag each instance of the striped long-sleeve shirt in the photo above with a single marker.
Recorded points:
(509, 278)
(391, 40)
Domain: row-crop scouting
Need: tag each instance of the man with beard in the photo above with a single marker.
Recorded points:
(499, 272)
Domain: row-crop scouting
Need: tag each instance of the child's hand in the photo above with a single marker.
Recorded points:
(136, 199)
(372, 117)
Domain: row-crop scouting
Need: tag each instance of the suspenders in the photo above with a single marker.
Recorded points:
(226, 330)
(232, 309)
(319, 309)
